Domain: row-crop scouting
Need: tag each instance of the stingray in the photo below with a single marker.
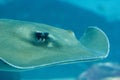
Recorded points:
(28, 45)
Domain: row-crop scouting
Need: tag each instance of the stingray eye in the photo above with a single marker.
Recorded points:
(44, 39)
(41, 36)
(38, 35)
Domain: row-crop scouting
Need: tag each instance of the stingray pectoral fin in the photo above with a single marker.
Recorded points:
(94, 45)
(94, 39)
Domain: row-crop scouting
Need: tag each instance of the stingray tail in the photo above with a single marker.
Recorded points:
(96, 40)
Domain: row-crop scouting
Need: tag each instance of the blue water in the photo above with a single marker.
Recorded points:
(67, 16)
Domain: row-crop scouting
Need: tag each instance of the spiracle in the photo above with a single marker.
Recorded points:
(41, 36)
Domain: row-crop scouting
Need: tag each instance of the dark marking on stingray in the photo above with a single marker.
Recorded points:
(41, 36)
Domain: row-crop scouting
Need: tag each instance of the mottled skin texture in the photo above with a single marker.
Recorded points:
(20, 49)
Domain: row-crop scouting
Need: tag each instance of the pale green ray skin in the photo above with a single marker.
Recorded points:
(18, 52)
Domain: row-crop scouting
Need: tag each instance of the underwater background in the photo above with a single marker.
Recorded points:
(75, 15)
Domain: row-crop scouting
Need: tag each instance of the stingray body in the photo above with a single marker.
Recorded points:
(26, 45)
